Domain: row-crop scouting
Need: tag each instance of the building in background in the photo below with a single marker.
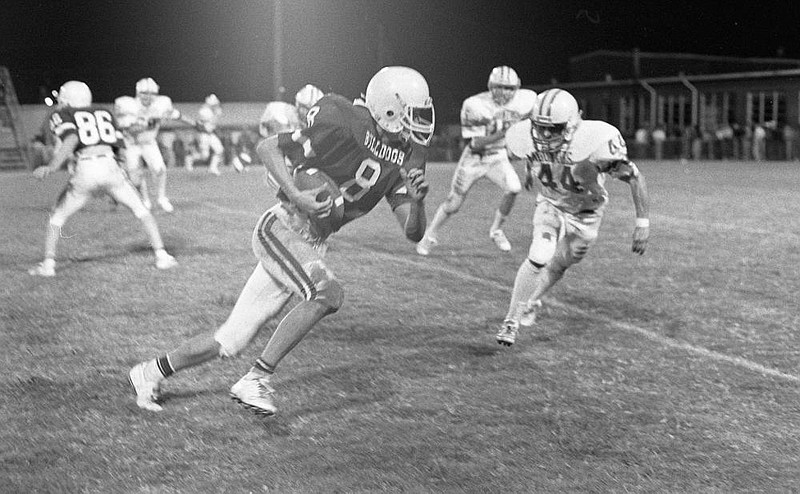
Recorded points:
(676, 91)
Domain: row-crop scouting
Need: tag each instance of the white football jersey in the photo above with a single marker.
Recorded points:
(130, 111)
(573, 178)
(481, 115)
(279, 116)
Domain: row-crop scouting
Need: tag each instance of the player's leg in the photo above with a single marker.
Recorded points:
(155, 162)
(261, 299)
(136, 172)
(71, 199)
(299, 265)
(126, 195)
(580, 233)
(502, 173)
(215, 151)
(547, 227)
(467, 172)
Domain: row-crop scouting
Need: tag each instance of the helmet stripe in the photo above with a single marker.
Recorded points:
(550, 97)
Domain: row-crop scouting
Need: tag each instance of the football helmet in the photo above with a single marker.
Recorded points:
(212, 100)
(75, 94)
(399, 100)
(146, 89)
(503, 84)
(555, 117)
(306, 98)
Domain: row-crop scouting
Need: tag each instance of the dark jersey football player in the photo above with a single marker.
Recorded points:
(372, 150)
(90, 135)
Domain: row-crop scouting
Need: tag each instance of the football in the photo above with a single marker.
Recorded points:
(311, 178)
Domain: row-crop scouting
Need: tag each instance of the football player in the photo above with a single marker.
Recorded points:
(571, 159)
(374, 149)
(484, 120)
(90, 134)
(140, 119)
(209, 145)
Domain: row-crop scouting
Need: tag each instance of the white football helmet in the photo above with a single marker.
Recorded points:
(555, 117)
(212, 100)
(146, 89)
(306, 98)
(74, 94)
(503, 84)
(399, 100)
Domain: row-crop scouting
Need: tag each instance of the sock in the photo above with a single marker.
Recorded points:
(524, 285)
(262, 369)
(164, 366)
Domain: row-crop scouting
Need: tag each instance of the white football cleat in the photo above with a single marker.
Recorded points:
(508, 332)
(255, 394)
(165, 261)
(425, 245)
(164, 203)
(528, 317)
(44, 269)
(500, 240)
(147, 392)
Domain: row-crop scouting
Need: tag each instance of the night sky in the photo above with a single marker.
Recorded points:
(192, 48)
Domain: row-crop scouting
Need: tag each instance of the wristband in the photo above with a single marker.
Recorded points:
(642, 222)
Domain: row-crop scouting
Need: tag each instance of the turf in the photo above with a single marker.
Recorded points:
(672, 372)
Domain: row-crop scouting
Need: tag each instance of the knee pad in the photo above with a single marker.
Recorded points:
(543, 247)
(327, 291)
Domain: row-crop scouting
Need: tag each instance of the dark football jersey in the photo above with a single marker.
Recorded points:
(94, 125)
(342, 141)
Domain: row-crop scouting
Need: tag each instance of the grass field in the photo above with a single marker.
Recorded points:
(673, 372)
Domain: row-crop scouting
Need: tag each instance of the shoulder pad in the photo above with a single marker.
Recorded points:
(519, 142)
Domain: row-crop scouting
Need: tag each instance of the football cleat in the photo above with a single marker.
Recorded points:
(425, 245)
(164, 204)
(165, 261)
(528, 317)
(508, 332)
(255, 394)
(147, 392)
(500, 240)
(43, 269)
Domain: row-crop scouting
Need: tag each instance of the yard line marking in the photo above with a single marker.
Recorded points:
(630, 328)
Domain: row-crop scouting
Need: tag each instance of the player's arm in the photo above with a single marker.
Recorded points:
(628, 172)
(411, 213)
(61, 154)
(273, 158)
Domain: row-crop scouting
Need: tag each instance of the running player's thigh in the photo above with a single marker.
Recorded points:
(287, 256)
(503, 174)
(468, 171)
(152, 158)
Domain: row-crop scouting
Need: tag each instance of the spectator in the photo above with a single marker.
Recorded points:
(738, 140)
(697, 142)
(759, 142)
(687, 138)
(659, 136)
(725, 139)
(641, 140)
(789, 142)
(709, 142)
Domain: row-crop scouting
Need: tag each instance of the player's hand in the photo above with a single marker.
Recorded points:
(42, 172)
(640, 236)
(306, 201)
(416, 184)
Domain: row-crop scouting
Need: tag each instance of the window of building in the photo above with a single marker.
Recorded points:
(766, 107)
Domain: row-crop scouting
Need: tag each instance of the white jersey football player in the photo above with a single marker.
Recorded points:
(89, 133)
(280, 116)
(209, 145)
(484, 120)
(140, 119)
(571, 159)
